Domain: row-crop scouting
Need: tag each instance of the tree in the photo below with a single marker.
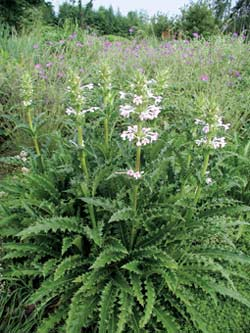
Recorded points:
(221, 9)
(13, 11)
(198, 18)
(240, 16)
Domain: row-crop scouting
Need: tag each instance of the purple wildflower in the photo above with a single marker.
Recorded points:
(204, 77)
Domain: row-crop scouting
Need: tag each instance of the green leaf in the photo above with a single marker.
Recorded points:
(121, 215)
(126, 305)
(150, 292)
(137, 287)
(133, 266)
(52, 224)
(68, 264)
(107, 301)
(167, 320)
(106, 204)
(226, 255)
(111, 254)
(81, 309)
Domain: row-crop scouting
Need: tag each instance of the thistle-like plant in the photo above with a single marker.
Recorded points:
(143, 264)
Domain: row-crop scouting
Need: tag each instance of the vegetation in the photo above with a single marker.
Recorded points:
(124, 169)
(126, 204)
(202, 16)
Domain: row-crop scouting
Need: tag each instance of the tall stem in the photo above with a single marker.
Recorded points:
(203, 173)
(136, 188)
(106, 133)
(85, 189)
(34, 138)
(185, 180)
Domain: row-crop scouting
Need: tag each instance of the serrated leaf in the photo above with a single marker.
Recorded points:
(107, 300)
(167, 320)
(150, 292)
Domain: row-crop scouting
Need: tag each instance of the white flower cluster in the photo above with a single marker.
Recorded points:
(134, 174)
(216, 142)
(146, 136)
(70, 111)
(208, 179)
(3, 194)
(22, 156)
(27, 103)
(151, 112)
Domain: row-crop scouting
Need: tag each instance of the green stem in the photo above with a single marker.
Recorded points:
(136, 188)
(85, 189)
(106, 133)
(185, 180)
(203, 173)
(34, 138)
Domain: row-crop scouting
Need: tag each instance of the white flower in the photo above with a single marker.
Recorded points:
(221, 124)
(130, 134)
(134, 174)
(25, 170)
(89, 86)
(92, 109)
(146, 137)
(206, 128)
(150, 94)
(218, 142)
(137, 100)
(125, 110)
(158, 99)
(152, 112)
(2, 194)
(70, 111)
(122, 95)
(226, 126)
(199, 122)
(152, 81)
(201, 141)
(27, 103)
(209, 180)
(23, 154)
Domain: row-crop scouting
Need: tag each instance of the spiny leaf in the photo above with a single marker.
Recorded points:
(81, 309)
(109, 255)
(133, 266)
(167, 320)
(106, 204)
(150, 292)
(126, 304)
(68, 264)
(121, 215)
(137, 287)
(48, 324)
(53, 224)
(226, 255)
(107, 301)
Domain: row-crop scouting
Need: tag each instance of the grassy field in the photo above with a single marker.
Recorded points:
(125, 184)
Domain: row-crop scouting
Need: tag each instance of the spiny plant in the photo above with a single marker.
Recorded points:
(117, 237)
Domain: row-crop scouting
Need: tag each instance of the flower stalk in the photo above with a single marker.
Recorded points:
(77, 102)
(27, 94)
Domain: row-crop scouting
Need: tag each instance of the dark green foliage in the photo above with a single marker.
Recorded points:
(198, 18)
(152, 286)
(156, 267)
(12, 11)
(240, 17)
